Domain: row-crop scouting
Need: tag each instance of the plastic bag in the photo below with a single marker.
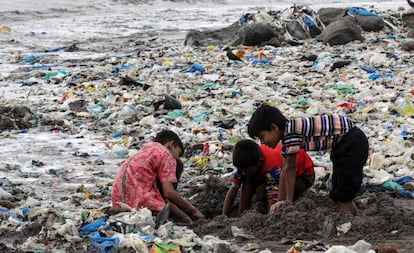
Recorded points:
(165, 248)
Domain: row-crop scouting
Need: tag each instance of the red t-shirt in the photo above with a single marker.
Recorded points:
(272, 158)
(304, 164)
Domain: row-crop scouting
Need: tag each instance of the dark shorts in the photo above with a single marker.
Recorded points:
(303, 183)
(348, 157)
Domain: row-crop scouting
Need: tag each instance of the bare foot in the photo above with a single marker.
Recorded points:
(348, 206)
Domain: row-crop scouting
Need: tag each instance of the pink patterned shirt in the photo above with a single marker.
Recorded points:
(135, 183)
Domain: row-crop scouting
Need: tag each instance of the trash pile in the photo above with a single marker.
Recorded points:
(292, 25)
(102, 109)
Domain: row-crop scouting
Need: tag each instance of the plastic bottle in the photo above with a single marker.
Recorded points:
(404, 106)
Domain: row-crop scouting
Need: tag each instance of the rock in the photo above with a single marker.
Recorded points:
(256, 33)
(275, 42)
(341, 32)
(330, 15)
(221, 36)
(370, 23)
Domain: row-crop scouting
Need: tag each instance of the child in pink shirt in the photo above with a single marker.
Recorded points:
(136, 181)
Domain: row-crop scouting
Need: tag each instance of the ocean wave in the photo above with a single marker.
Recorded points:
(61, 6)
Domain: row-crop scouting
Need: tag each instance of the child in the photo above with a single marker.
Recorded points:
(348, 145)
(136, 181)
(258, 170)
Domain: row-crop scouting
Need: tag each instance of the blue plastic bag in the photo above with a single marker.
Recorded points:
(360, 11)
(368, 69)
(262, 61)
(242, 20)
(196, 67)
(374, 76)
(104, 244)
(404, 180)
(92, 227)
(406, 194)
(309, 22)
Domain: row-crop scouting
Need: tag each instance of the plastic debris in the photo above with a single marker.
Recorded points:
(104, 244)
(70, 114)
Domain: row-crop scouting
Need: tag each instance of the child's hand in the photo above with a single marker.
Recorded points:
(277, 205)
(188, 221)
(198, 215)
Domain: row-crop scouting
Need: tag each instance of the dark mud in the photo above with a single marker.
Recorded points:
(383, 220)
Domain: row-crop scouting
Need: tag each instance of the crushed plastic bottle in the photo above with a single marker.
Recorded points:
(404, 106)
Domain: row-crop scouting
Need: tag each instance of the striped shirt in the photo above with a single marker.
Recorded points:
(314, 133)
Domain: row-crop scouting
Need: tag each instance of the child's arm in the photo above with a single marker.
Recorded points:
(229, 200)
(245, 197)
(180, 214)
(289, 177)
(172, 195)
(282, 186)
(286, 183)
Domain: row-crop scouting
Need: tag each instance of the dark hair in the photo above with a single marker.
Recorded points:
(246, 153)
(165, 136)
(263, 118)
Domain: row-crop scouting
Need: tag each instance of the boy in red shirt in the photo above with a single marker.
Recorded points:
(136, 181)
(258, 170)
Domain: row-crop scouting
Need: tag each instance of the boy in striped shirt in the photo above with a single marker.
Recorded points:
(348, 145)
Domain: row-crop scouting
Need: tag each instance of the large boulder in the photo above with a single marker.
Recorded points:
(256, 33)
(222, 36)
(330, 15)
(275, 42)
(251, 34)
(341, 32)
(367, 23)
(370, 23)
